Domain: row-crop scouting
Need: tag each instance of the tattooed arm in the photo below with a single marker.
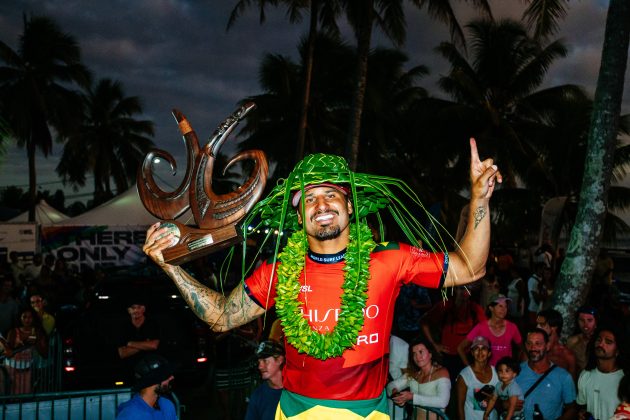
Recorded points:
(467, 263)
(220, 312)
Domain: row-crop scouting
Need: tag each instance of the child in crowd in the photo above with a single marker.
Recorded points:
(507, 389)
(623, 410)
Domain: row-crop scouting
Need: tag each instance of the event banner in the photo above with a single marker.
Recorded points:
(95, 246)
(19, 237)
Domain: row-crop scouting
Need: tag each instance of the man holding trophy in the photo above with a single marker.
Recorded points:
(333, 287)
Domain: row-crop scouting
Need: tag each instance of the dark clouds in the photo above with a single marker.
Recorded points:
(175, 53)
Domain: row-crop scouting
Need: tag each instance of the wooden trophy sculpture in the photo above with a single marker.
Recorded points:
(216, 215)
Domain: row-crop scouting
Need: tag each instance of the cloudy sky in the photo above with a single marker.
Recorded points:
(177, 54)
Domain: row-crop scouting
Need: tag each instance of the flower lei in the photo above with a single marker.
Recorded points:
(296, 328)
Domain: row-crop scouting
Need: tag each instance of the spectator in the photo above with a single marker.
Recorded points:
(38, 303)
(475, 382)
(32, 271)
(503, 334)
(264, 400)
(505, 262)
(153, 375)
(454, 318)
(517, 292)
(412, 302)
(507, 390)
(599, 381)
(535, 291)
(546, 385)
(398, 361)
(23, 342)
(547, 287)
(17, 269)
(623, 410)
(428, 382)
(587, 318)
(138, 337)
(9, 306)
(551, 321)
(490, 286)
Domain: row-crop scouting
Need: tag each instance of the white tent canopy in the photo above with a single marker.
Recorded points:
(45, 214)
(125, 209)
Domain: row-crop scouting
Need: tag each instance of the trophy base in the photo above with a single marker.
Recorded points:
(194, 243)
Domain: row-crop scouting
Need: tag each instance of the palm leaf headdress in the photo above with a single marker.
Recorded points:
(370, 194)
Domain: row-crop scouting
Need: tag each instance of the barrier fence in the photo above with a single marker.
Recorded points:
(75, 405)
(27, 372)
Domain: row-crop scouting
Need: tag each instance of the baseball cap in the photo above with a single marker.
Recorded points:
(480, 341)
(152, 369)
(298, 194)
(269, 348)
(499, 298)
(585, 309)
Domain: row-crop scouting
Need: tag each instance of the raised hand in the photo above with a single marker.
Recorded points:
(483, 174)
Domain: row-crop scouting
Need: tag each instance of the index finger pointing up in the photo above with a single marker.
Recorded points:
(474, 154)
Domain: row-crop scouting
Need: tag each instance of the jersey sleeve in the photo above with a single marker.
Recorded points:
(261, 286)
(424, 268)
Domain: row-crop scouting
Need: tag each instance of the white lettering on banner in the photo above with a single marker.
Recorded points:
(314, 315)
(110, 253)
(94, 246)
(305, 288)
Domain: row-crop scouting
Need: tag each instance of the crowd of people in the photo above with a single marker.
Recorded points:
(501, 346)
(26, 324)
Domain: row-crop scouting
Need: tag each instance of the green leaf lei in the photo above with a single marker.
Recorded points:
(297, 330)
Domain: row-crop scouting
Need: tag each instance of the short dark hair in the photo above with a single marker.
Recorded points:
(537, 330)
(553, 318)
(511, 364)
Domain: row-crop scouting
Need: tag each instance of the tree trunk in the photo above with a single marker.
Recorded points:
(364, 35)
(583, 249)
(32, 179)
(308, 75)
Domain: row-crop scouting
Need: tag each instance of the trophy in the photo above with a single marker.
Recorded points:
(216, 215)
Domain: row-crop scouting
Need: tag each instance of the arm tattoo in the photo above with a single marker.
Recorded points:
(478, 216)
(212, 307)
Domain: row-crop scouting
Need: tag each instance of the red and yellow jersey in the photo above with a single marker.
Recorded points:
(361, 372)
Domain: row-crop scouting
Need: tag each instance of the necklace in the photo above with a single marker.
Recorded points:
(296, 328)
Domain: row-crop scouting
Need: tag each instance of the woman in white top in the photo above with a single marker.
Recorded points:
(428, 383)
(471, 398)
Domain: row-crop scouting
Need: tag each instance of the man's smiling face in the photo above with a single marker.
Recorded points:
(327, 213)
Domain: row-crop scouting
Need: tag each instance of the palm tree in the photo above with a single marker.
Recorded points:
(35, 90)
(322, 13)
(110, 143)
(272, 127)
(496, 98)
(586, 235)
(388, 15)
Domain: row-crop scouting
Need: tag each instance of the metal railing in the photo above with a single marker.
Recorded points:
(76, 405)
(416, 412)
(38, 374)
